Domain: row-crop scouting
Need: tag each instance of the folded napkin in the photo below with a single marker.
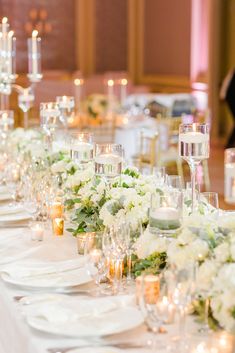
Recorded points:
(60, 309)
(16, 255)
(6, 210)
(28, 269)
(14, 217)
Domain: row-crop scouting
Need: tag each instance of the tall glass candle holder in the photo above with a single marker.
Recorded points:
(229, 175)
(81, 147)
(50, 120)
(194, 146)
(66, 105)
(25, 102)
(34, 57)
(108, 159)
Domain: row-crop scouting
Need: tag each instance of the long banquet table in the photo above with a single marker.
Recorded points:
(15, 334)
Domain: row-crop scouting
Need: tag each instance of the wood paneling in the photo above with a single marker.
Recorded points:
(110, 35)
(58, 47)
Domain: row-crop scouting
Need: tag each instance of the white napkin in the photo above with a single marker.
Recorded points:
(59, 309)
(14, 217)
(28, 269)
(16, 255)
(6, 210)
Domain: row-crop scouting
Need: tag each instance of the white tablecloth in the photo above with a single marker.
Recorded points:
(17, 337)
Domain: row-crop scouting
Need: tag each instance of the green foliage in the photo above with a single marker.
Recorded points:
(154, 264)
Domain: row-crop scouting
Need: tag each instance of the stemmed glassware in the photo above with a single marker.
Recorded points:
(96, 262)
(6, 123)
(51, 121)
(108, 160)
(156, 306)
(25, 102)
(66, 105)
(193, 148)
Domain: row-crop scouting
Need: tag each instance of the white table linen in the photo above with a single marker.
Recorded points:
(17, 337)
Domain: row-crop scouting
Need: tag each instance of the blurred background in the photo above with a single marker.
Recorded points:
(170, 46)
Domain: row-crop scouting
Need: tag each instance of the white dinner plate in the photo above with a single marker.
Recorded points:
(113, 322)
(65, 280)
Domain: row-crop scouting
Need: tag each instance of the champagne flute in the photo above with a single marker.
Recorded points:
(193, 148)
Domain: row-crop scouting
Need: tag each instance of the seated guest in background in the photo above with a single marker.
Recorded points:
(227, 93)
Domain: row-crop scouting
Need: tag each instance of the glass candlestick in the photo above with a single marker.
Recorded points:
(34, 57)
(25, 102)
(194, 147)
(50, 120)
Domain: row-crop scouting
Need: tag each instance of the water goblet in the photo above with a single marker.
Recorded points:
(193, 148)
(156, 306)
(96, 261)
(66, 106)
(209, 204)
(174, 181)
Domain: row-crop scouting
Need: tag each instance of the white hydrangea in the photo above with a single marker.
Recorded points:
(149, 243)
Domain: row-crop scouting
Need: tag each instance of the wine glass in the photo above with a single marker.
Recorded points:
(165, 214)
(174, 181)
(156, 306)
(81, 147)
(96, 261)
(25, 102)
(181, 282)
(66, 106)
(193, 148)
(210, 202)
(51, 121)
(108, 159)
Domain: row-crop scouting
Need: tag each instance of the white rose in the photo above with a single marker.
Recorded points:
(222, 252)
(59, 167)
(206, 274)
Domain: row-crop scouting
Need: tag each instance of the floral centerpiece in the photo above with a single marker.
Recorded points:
(96, 106)
(208, 240)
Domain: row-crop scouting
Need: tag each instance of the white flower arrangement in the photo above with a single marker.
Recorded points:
(96, 105)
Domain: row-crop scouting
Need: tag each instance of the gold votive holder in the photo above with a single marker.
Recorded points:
(115, 268)
(149, 287)
(82, 239)
(56, 210)
(58, 226)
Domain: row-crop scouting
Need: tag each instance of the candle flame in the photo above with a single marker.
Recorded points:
(11, 34)
(34, 33)
(78, 82)
(124, 81)
(110, 83)
(4, 20)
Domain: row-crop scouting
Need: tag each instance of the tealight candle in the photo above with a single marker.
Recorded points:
(56, 210)
(58, 226)
(37, 232)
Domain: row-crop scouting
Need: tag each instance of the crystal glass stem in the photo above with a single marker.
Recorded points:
(26, 119)
(193, 171)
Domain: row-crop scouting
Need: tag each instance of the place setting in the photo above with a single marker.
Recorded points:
(117, 190)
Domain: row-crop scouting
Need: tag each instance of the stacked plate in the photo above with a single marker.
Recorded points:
(13, 215)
